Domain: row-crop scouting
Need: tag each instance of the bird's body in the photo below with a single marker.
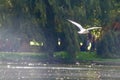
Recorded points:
(83, 30)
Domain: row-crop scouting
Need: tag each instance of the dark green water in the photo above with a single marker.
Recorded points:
(38, 71)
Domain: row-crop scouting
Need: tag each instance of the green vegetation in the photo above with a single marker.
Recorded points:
(15, 56)
(86, 56)
(59, 57)
(20, 57)
(37, 26)
(81, 56)
(108, 46)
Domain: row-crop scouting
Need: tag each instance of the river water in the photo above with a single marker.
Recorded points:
(39, 71)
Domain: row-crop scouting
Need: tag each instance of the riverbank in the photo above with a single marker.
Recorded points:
(59, 58)
(22, 57)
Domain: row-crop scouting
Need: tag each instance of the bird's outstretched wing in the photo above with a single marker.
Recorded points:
(93, 28)
(77, 24)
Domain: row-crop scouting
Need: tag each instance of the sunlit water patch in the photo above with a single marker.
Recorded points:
(38, 71)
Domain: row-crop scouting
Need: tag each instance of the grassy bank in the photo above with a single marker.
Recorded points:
(57, 56)
(60, 57)
(79, 56)
(88, 57)
(19, 57)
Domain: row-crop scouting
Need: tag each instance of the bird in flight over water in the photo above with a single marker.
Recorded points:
(83, 30)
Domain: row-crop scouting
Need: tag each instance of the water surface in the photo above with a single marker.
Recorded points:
(39, 71)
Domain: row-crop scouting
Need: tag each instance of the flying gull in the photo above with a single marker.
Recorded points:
(83, 30)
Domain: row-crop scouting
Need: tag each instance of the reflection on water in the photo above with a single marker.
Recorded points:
(38, 71)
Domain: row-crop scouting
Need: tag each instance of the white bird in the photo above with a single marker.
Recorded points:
(83, 30)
